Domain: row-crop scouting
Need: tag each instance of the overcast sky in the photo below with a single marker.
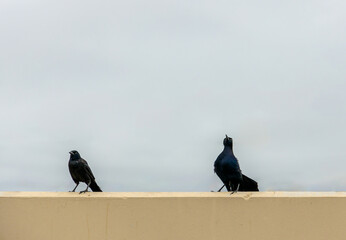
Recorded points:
(146, 91)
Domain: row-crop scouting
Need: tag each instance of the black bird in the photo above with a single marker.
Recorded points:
(81, 172)
(226, 166)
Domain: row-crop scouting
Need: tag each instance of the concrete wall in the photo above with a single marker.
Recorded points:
(263, 215)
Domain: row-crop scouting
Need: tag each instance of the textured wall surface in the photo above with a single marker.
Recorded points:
(262, 215)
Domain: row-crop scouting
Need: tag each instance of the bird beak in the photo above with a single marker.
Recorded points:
(70, 153)
(226, 136)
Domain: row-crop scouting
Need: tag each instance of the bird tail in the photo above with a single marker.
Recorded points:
(95, 187)
(248, 185)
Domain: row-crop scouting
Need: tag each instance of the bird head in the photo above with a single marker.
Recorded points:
(74, 154)
(228, 141)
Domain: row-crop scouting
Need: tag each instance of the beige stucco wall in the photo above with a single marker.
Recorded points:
(263, 215)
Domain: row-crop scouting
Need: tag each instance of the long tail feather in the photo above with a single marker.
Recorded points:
(95, 187)
(248, 185)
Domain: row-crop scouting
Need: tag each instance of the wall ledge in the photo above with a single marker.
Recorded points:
(245, 195)
(172, 215)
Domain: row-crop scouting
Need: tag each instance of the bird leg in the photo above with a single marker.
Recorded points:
(86, 190)
(75, 187)
(236, 189)
(220, 188)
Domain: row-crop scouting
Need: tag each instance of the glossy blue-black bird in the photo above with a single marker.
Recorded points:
(81, 172)
(227, 168)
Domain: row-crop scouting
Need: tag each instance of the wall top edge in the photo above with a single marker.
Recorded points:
(244, 195)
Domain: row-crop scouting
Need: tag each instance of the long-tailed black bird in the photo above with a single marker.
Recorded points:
(81, 172)
(227, 168)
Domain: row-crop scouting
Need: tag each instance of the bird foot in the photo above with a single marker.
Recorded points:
(236, 190)
(83, 191)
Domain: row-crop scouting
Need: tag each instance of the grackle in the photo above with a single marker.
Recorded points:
(81, 172)
(228, 170)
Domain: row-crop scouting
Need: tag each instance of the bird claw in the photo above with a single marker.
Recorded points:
(83, 191)
(236, 190)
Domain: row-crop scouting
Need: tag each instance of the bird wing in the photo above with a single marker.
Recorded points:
(86, 168)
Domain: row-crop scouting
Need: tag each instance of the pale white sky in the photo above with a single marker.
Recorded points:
(146, 90)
